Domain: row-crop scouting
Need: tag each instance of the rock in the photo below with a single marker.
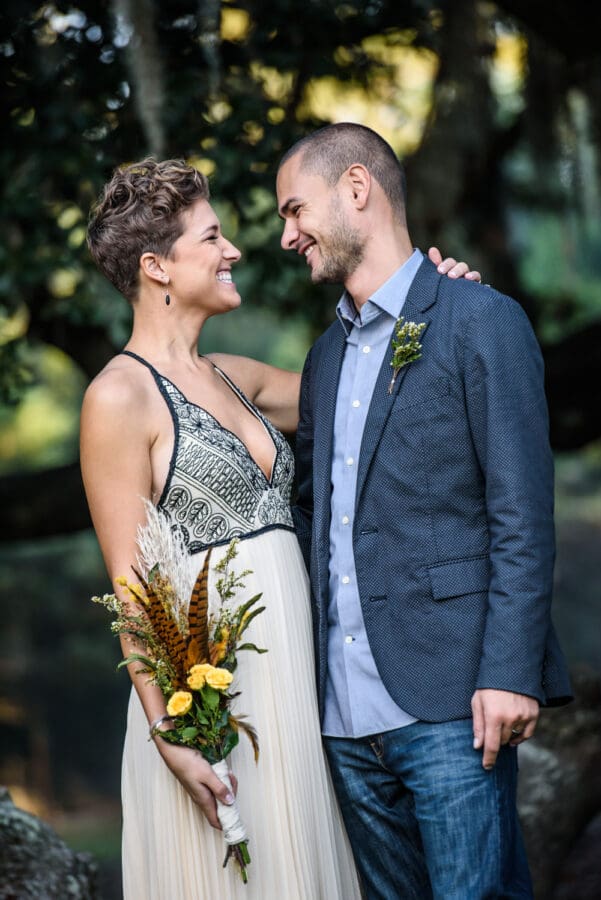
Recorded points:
(35, 863)
(560, 785)
(581, 873)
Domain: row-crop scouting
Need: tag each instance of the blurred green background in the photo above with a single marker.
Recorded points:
(495, 109)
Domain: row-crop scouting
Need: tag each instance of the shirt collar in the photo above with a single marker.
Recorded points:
(389, 298)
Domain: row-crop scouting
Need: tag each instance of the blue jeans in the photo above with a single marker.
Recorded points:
(425, 819)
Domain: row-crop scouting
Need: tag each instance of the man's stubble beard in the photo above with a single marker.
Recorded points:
(341, 250)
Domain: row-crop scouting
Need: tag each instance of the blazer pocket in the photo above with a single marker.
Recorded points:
(459, 577)
(420, 393)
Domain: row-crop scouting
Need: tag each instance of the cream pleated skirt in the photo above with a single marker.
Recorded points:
(298, 845)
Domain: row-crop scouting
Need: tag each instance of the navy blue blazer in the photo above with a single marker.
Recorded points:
(453, 528)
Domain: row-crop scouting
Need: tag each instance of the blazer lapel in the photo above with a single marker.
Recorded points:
(422, 295)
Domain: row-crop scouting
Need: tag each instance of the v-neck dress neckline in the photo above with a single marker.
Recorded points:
(215, 489)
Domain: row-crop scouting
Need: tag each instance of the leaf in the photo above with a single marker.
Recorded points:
(246, 606)
(170, 735)
(210, 696)
(249, 619)
(223, 719)
(188, 734)
(137, 657)
(231, 741)
(254, 647)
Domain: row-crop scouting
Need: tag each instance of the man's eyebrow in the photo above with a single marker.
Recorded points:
(285, 208)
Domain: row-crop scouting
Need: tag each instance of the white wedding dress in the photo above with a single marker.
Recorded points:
(298, 846)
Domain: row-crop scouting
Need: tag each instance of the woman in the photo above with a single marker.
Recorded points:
(198, 437)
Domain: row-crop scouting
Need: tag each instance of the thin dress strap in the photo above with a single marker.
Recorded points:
(140, 360)
(160, 383)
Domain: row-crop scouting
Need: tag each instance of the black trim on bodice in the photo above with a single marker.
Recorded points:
(215, 490)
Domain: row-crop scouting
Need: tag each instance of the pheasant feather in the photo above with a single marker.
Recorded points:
(198, 613)
(161, 614)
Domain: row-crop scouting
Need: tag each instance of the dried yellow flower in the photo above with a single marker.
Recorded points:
(217, 652)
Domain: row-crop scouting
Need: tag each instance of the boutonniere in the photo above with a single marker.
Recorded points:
(406, 347)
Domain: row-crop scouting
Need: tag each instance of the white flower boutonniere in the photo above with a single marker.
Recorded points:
(406, 347)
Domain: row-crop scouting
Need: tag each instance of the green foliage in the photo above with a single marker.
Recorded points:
(498, 149)
(70, 117)
(41, 430)
(16, 371)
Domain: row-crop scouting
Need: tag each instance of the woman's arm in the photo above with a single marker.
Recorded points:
(116, 438)
(275, 391)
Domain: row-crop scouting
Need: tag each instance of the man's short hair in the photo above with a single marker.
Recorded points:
(331, 150)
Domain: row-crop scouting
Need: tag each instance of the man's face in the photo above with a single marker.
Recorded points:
(316, 225)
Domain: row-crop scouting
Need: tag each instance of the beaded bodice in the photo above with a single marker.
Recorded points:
(215, 490)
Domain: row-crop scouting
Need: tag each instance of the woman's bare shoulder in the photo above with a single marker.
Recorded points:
(122, 387)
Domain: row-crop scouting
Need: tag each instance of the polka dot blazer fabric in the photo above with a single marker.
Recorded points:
(453, 527)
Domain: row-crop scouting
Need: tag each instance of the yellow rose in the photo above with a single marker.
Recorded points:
(179, 703)
(219, 679)
(197, 676)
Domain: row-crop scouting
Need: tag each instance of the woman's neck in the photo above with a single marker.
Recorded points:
(163, 333)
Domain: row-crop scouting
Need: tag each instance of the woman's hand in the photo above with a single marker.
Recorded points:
(451, 267)
(197, 777)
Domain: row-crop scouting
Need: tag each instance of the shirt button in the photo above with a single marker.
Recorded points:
(366, 349)
(350, 461)
(356, 403)
(345, 579)
(345, 520)
(349, 639)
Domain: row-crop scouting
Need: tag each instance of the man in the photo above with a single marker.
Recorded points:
(425, 510)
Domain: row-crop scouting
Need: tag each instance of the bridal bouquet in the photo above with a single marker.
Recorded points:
(190, 651)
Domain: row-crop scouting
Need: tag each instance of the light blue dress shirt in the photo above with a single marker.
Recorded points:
(357, 703)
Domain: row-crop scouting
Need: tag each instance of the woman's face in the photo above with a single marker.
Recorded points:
(200, 263)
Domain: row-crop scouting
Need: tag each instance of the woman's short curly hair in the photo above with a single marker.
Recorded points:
(140, 211)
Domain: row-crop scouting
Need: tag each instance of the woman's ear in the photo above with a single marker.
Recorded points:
(152, 267)
(359, 183)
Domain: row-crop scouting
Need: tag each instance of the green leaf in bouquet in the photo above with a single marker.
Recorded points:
(171, 736)
(246, 622)
(230, 741)
(254, 647)
(188, 734)
(138, 657)
(210, 696)
(243, 609)
(199, 715)
(223, 718)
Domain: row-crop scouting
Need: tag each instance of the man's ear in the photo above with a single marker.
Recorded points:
(358, 181)
(152, 266)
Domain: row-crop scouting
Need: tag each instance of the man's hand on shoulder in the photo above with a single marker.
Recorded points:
(451, 267)
(501, 717)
